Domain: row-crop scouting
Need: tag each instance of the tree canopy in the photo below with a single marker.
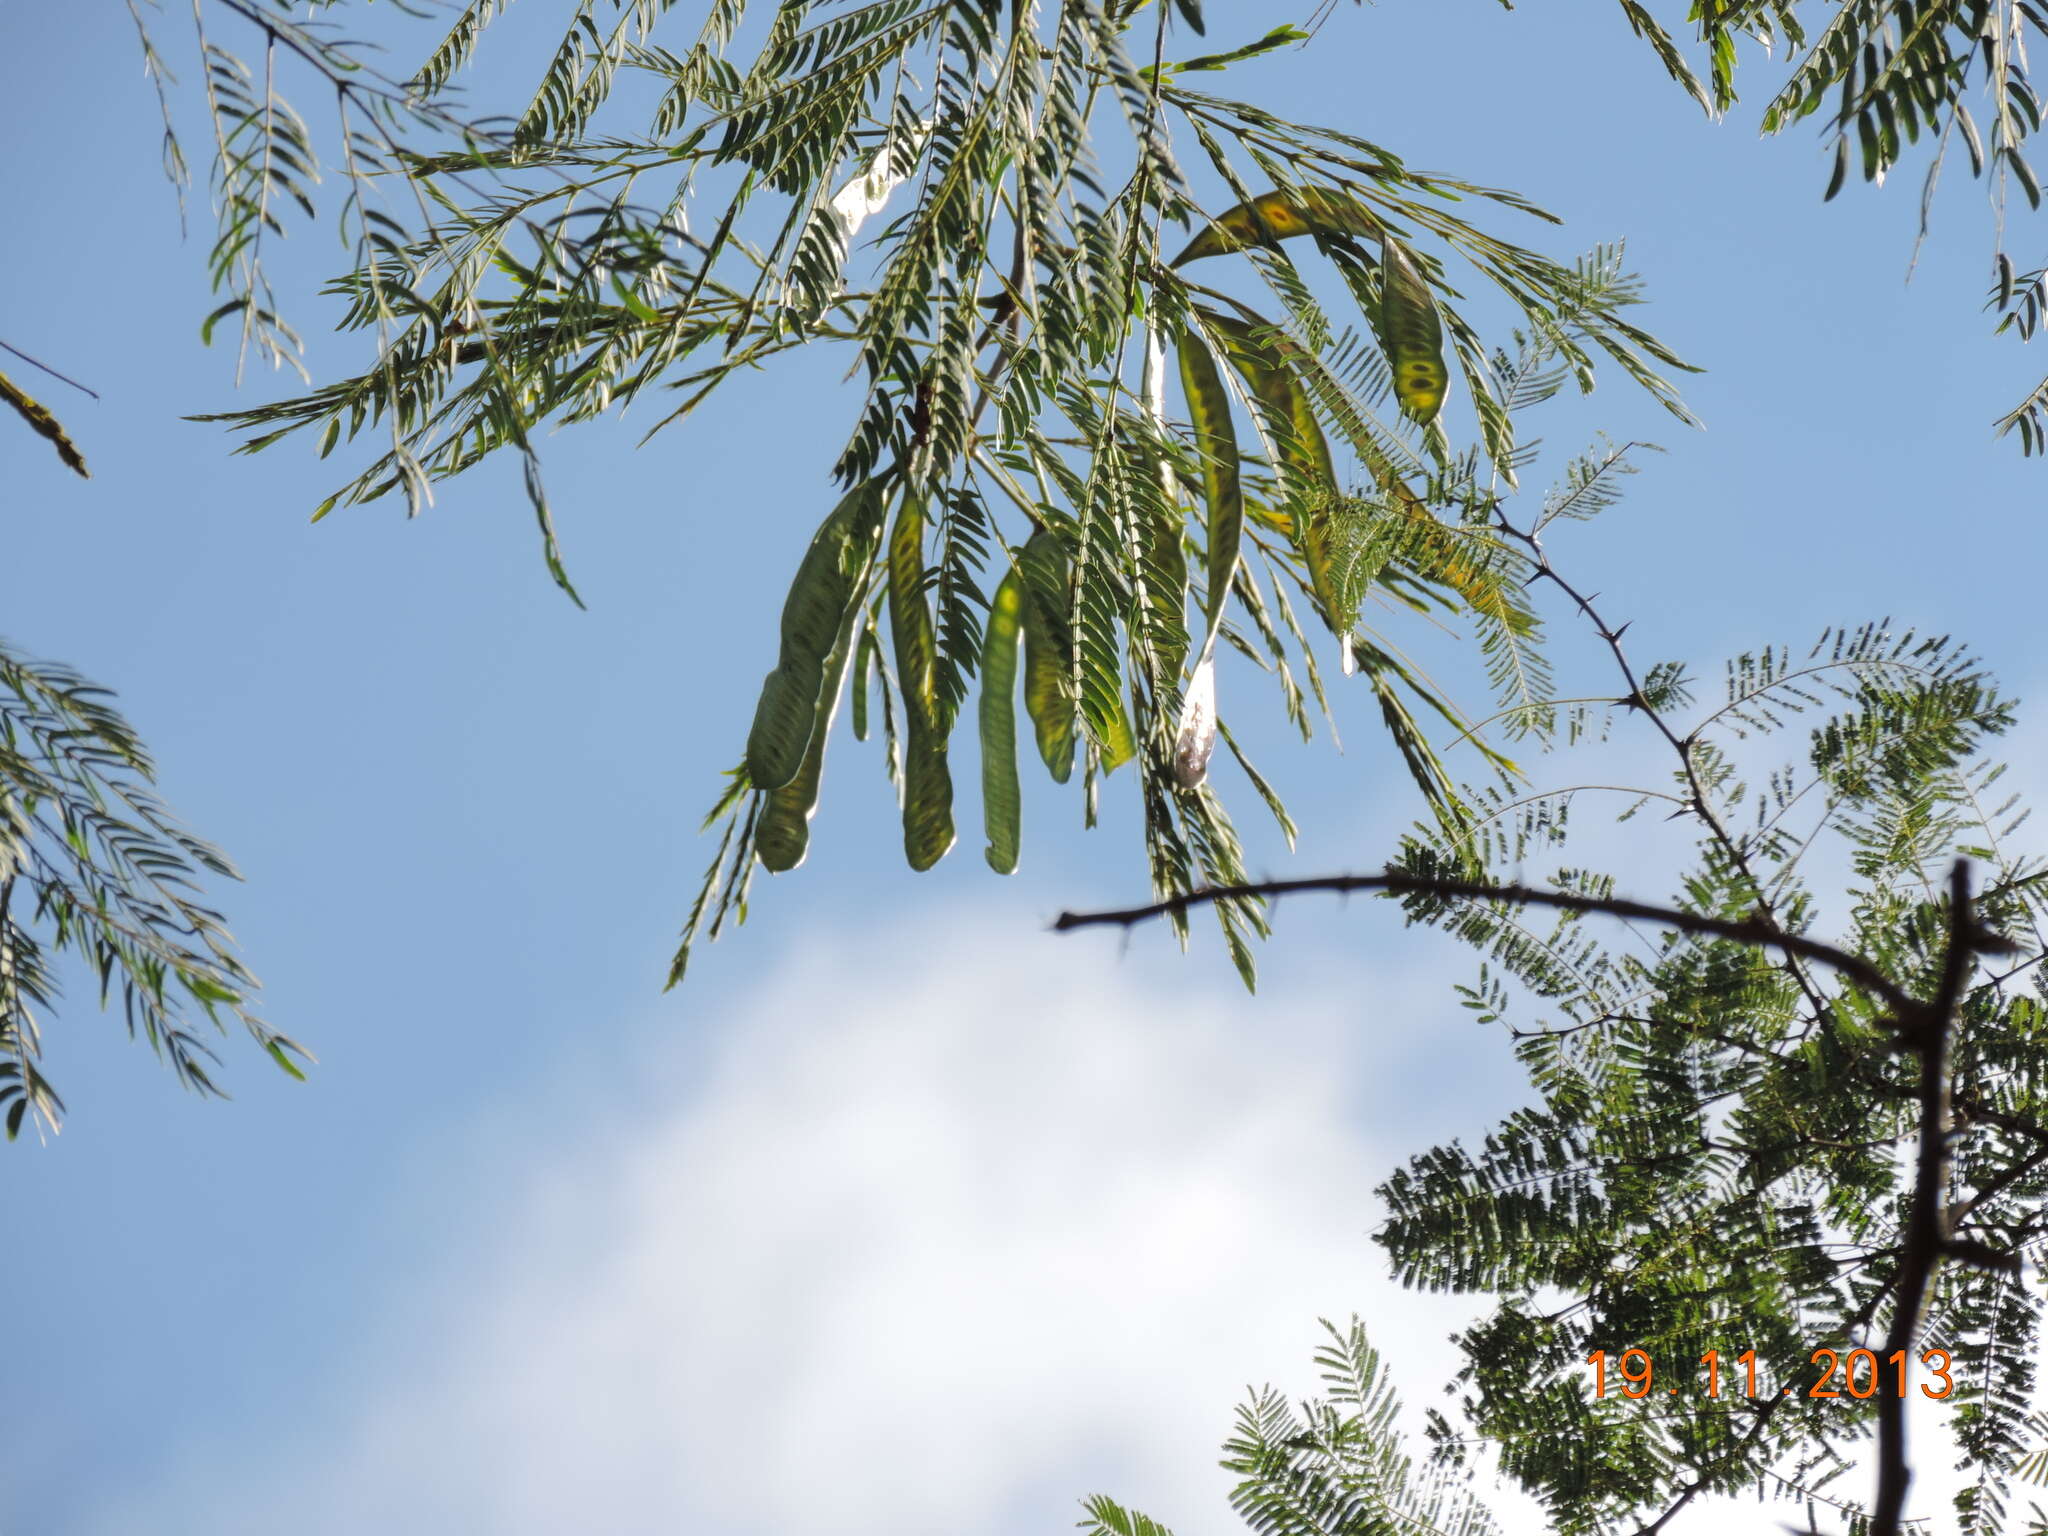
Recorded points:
(1017, 493)
(1014, 221)
(1141, 372)
(1741, 1140)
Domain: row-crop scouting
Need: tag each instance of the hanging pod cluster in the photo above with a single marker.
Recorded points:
(821, 626)
(786, 747)
(1292, 440)
(851, 570)
(1027, 636)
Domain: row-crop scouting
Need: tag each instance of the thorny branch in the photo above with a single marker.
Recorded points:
(1925, 1027)
(1699, 802)
(1760, 931)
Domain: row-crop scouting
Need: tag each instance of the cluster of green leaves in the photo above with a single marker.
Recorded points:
(1881, 76)
(1335, 1463)
(1012, 318)
(265, 160)
(90, 860)
(1715, 1153)
(92, 863)
(1720, 1152)
(1718, 1157)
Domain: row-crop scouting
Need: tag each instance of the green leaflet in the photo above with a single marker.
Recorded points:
(1001, 799)
(1280, 215)
(1121, 746)
(1044, 566)
(1413, 334)
(1216, 443)
(783, 836)
(1279, 37)
(823, 590)
(927, 780)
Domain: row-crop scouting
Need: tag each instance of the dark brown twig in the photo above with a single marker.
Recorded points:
(1699, 802)
(34, 362)
(1758, 930)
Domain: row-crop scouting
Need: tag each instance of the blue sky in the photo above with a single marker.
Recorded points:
(903, 1213)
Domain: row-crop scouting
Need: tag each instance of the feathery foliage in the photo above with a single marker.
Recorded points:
(1334, 1463)
(1719, 1155)
(1731, 1150)
(92, 863)
(1006, 216)
(1882, 79)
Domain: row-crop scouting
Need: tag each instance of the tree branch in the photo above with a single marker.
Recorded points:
(1700, 803)
(1759, 930)
(1926, 1032)
(1925, 1029)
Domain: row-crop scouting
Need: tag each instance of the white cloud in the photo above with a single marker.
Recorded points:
(942, 1260)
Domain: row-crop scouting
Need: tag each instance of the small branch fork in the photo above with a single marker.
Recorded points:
(1926, 1028)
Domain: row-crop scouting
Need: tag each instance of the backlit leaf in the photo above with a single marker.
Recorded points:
(1044, 567)
(783, 836)
(1216, 445)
